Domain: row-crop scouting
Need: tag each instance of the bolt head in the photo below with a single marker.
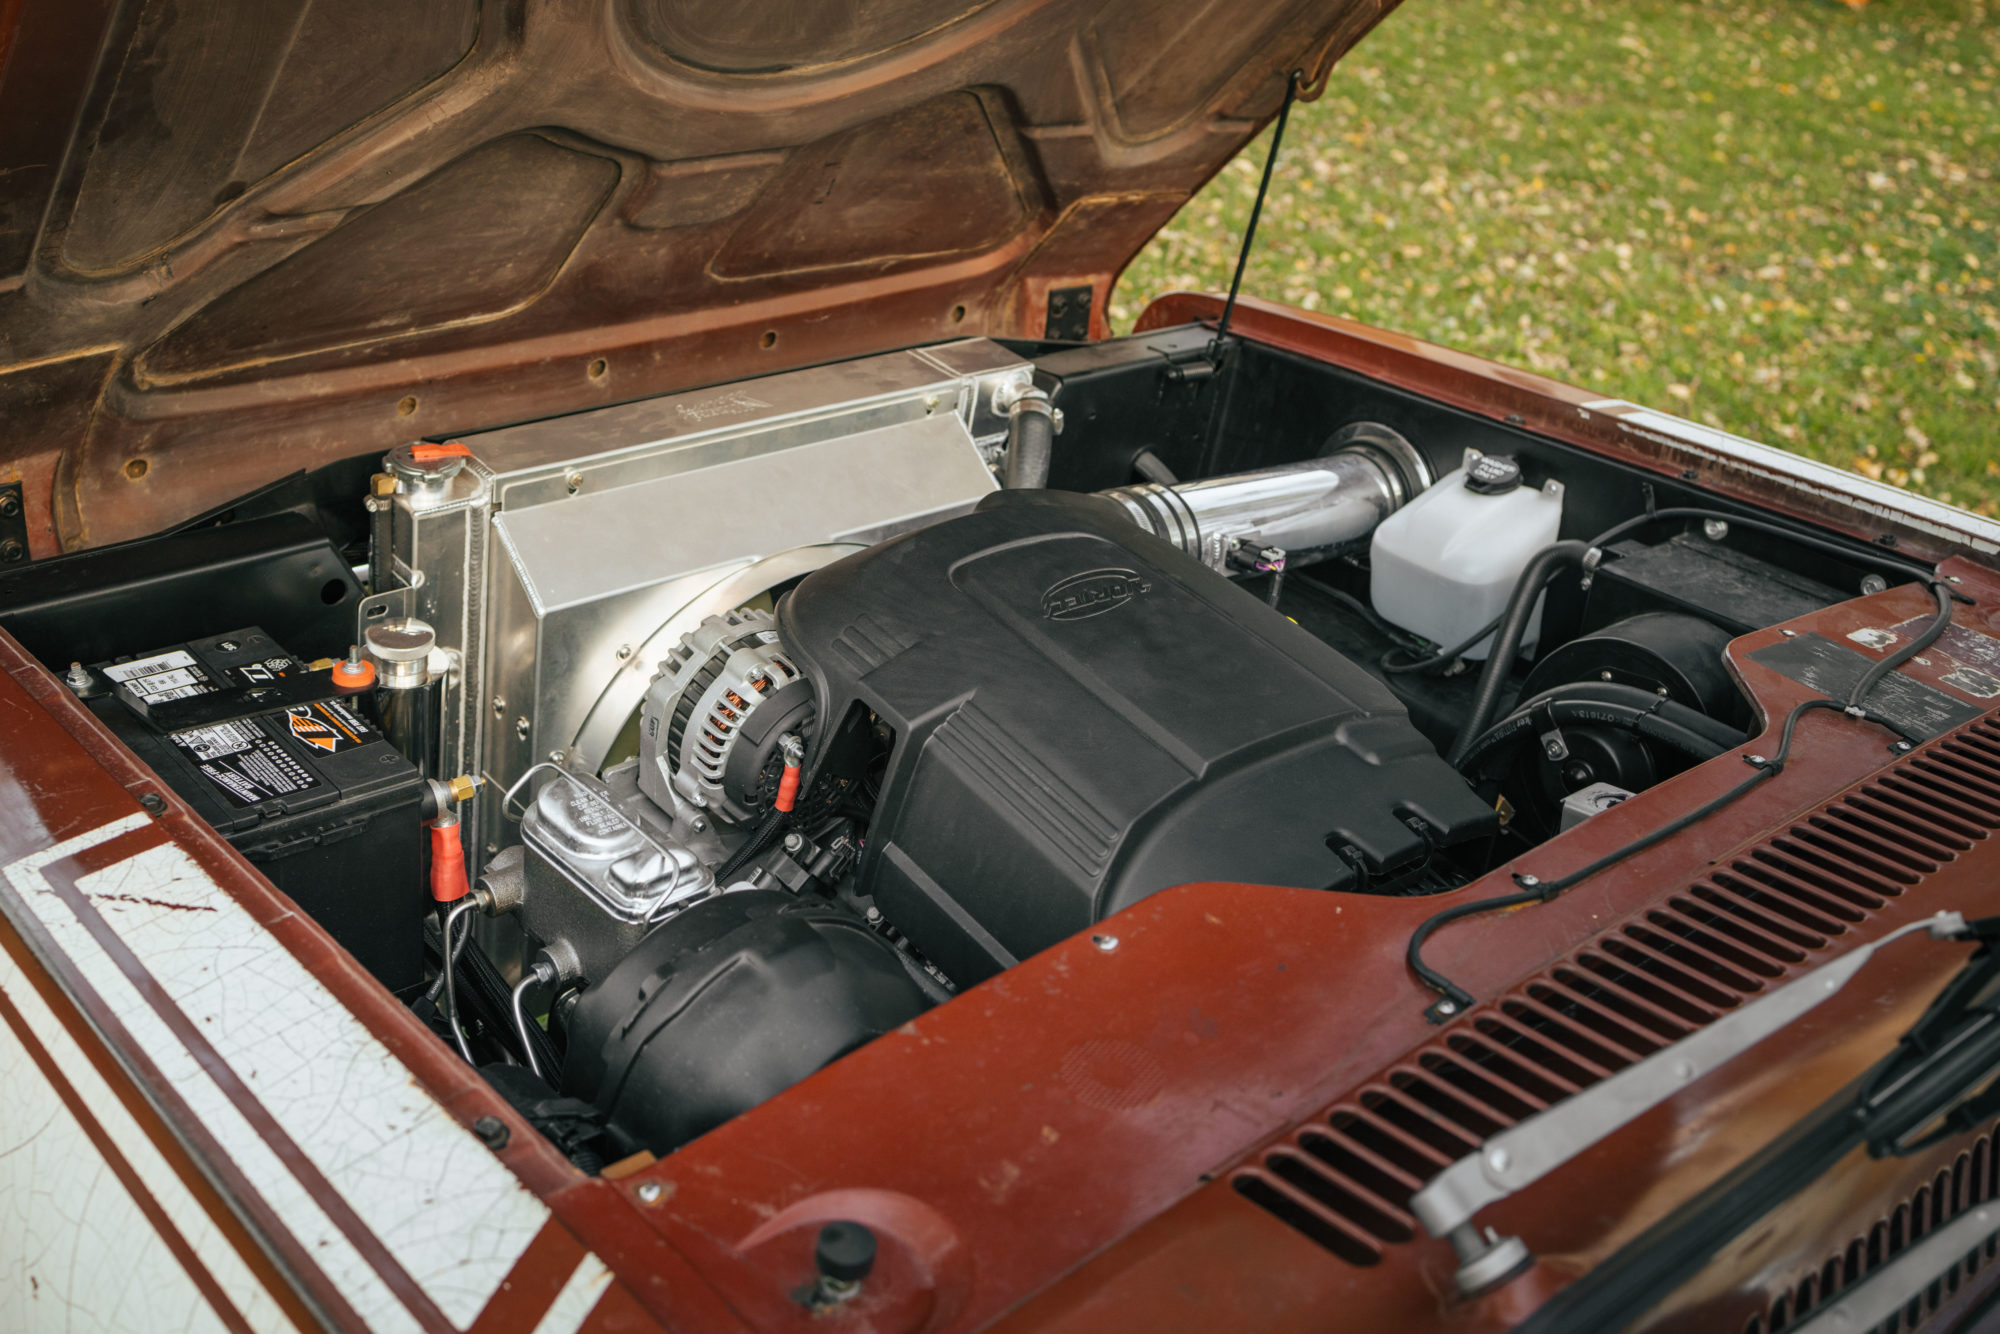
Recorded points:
(1789, 634)
(492, 1132)
(1499, 1160)
(1447, 1007)
(1754, 759)
(649, 1192)
(1105, 943)
(1528, 881)
(794, 841)
(699, 824)
(574, 482)
(521, 728)
(1714, 529)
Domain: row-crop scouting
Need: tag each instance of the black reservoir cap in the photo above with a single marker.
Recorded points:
(1492, 475)
(845, 1252)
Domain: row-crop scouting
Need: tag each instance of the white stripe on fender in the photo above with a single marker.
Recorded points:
(63, 1177)
(451, 1214)
(578, 1296)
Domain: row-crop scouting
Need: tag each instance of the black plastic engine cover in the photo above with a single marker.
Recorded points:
(1085, 716)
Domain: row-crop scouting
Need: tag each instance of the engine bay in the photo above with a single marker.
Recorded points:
(662, 754)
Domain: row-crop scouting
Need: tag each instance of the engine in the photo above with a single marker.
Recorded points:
(777, 719)
(942, 755)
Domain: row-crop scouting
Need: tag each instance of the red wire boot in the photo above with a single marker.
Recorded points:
(447, 860)
(788, 783)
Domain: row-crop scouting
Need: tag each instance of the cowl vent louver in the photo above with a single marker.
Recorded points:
(1972, 1179)
(1345, 1179)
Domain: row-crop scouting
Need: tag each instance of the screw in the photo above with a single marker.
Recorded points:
(1105, 943)
(699, 824)
(1714, 529)
(1604, 676)
(79, 677)
(574, 482)
(11, 551)
(1902, 747)
(154, 803)
(794, 841)
(1447, 1007)
(1953, 579)
(10, 505)
(624, 652)
(499, 707)
(873, 915)
(1789, 634)
(1755, 759)
(492, 1132)
(521, 728)
(1499, 1160)
(649, 1192)
(555, 757)
(1528, 881)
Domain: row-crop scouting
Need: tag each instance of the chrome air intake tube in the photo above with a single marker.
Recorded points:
(1366, 473)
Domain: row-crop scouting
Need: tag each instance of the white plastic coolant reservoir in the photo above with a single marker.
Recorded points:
(1444, 564)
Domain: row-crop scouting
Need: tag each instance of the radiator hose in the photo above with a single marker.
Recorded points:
(1031, 441)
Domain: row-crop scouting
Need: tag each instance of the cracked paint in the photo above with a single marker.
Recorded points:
(444, 1209)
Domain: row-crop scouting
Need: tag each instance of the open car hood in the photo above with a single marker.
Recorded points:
(241, 239)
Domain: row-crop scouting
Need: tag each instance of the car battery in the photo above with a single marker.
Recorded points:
(295, 774)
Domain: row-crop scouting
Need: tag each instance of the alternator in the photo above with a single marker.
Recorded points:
(710, 725)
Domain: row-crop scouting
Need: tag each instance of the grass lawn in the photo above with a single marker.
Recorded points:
(1779, 217)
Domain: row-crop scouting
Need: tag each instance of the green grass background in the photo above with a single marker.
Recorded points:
(1779, 217)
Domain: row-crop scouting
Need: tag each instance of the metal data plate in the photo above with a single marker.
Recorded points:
(1919, 710)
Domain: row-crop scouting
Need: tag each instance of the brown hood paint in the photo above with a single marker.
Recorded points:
(237, 239)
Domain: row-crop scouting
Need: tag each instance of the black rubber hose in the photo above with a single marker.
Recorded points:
(1031, 445)
(1507, 639)
(1645, 720)
(1667, 710)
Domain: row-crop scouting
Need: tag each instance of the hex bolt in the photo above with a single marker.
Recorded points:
(794, 841)
(492, 1132)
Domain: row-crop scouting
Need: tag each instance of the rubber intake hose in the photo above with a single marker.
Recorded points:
(1031, 442)
(1507, 640)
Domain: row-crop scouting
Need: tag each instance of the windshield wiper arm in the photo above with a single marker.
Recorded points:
(1522, 1155)
(1942, 1079)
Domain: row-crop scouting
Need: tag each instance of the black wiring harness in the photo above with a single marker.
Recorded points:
(1477, 740)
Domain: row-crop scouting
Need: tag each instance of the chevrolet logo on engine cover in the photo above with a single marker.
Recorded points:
(1092, 593)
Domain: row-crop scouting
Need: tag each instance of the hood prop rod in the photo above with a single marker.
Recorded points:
(1292, 82)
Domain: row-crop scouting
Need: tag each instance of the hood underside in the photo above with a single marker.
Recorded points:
(242, 237)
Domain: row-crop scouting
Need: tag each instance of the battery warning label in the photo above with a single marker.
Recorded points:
(245, 763)
(328, 727)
